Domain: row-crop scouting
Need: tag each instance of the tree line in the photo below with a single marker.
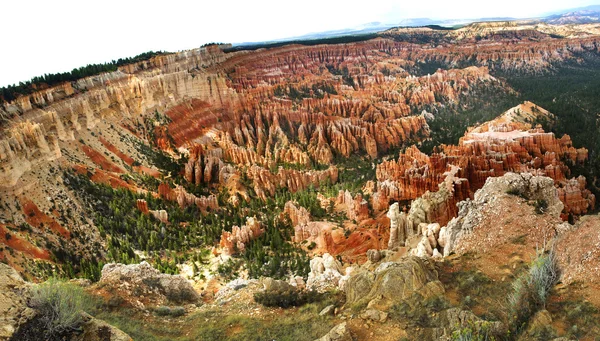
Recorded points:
(11, 92)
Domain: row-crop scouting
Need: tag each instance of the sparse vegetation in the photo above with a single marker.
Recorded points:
(417, 312)
(59, 306)
(531, 290)
(473, 332)
(169, 311)
(287, 298)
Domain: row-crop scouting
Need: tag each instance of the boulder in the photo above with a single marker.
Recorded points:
(98, 330)
(325, 272)
(143, 278)
(275, 285)
(328, 310)
(374, 315)
(337, 333)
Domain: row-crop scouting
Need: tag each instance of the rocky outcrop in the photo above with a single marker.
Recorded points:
(450, 320)
(236, 240)
(430, 241)
(338, 333)
(298, 215)
(440, 207)
(204, 166)
(14, 311)
(266, 182)
(57, 114)
(275, 285)
(577, 198)
(142, 205)
(326, 273)
(397, 227)
(527, 48)
(185, 199)
(527, 186)
(22, 146)
(259, 121)
(143, 278)
(393, 283)
(161, 215)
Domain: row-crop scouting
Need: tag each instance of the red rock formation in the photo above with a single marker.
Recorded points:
(269, 116)
(265, 182)
(506, 144)
(185, 199)
(298, 215)
(15, 241)
(355, 208)
(575, 196)
(236, 240)
(161, 215)
(102, 177)
(205, 89)
(100, 160)
(142, 205)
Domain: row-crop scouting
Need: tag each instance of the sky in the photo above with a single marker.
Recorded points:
(44, 36)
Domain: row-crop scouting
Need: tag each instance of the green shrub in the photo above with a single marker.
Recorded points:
(473, 332)
(59, 306)
(515, 191)
(531, 290)
(471, 282)
(169, 311)
(540, 206)
(287, 298)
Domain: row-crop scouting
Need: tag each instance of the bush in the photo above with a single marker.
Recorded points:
(540, 206)
(473, 332)
(286, 298)
(531, 290)
(515, 191)
(59, 306)
(170, 311)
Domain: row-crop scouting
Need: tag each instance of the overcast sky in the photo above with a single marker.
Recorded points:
(55, 36)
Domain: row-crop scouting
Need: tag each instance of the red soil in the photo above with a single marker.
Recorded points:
(126, 158)
(148, 171)
(100, 160)
(38, 219)
(19, 244)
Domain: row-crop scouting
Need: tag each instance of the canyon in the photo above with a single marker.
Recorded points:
(304, 164)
